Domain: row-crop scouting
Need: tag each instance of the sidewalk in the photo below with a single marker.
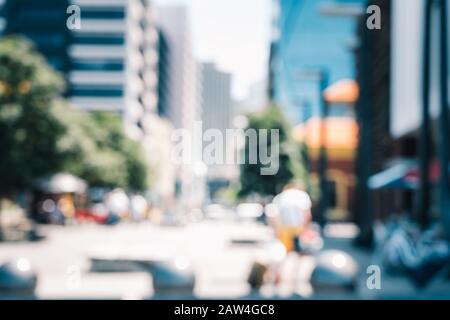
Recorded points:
(392, 287)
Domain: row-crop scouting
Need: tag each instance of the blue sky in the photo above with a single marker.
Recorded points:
(233, 33)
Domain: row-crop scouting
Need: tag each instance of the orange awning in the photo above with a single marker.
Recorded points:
(343, 91)
(341, 135)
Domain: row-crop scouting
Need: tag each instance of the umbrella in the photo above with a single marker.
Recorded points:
(61, 183)
(403, 175)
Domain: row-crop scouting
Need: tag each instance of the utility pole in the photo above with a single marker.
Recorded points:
(444, 121)
(423, 194)
(320, 75)
(323, 156)
(364, 160)
(306, 106)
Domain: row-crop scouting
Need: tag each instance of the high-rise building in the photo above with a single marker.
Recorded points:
(312, 61)
(44, 23)
(163, 75)
(182, 107)
(109, 62)
(217, 113)
(308, 36)
(2, 19)
(397, 141)
(215, 98)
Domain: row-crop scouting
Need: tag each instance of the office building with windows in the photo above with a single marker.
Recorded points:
(312, 61)
(110, 63)
(163, 74)
(216, 109)
(308, 36)
(182, 108)
(216, 98)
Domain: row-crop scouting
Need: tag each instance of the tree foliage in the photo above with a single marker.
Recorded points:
(41, 134)
(95, 148)
(28, 130)
(290, 162)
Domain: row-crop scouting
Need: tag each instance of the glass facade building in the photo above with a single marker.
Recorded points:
(110, 63)
(163, 74)
(307, 38)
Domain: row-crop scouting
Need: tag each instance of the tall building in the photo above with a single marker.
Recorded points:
(2, 19)
(216, 106)
(312, 65)
(44, 23)
(182, 107)
(163, 75)
(308, 36)
(401, 155)
(110, 62)
(215, 98)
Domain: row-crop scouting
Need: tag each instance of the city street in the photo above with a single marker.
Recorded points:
(62, 259)
(220, 254)
(152, 150)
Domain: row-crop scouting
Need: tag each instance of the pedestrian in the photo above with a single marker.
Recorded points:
(291, 215)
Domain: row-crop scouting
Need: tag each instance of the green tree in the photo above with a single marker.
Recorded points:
(290, 162)
(29, 132)
(96, 149)
(41, 134)
(130, 151)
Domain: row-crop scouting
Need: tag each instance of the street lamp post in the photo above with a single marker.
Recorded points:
(305, 106)
(444, 121)
(305, 149)
(423, 193)
(323, 157)
(364, 159)
(321, 76)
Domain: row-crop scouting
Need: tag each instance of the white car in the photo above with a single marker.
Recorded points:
(249, 210)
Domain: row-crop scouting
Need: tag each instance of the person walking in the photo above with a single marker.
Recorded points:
(291, 215)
